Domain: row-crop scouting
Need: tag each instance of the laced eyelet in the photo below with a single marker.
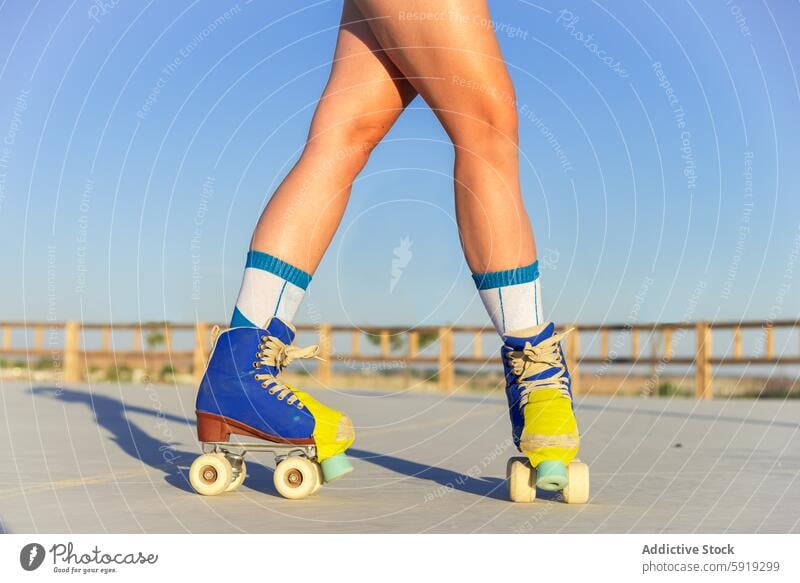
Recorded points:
(264, 338)
(256, 364)
(264, 384)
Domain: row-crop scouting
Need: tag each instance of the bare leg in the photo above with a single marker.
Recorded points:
(363, 98)
(452, 58)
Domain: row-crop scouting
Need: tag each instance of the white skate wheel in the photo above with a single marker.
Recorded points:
(577, 490)
(521, 480)
(238, 480)
(318, 473)
(296, 478)
(210, 474)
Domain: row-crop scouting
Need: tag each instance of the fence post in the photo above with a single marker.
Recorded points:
(72, 352)
(573, 356)
(384, 335)
(604, 343)
(446, 371)
(167, 338)
(6, 337)
(635, 344)
(325, 350)
(769, 339)
(667, 344)
(702, 364)
(201, 351)
(413, 344)
(38, 336)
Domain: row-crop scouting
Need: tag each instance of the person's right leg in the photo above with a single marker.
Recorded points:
(241, 391)
(449, 51)
(363, 98)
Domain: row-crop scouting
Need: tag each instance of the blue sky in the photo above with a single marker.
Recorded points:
(139, 142)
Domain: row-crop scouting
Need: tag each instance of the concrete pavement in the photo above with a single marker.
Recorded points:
(114, 458)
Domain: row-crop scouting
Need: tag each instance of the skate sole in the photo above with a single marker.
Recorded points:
(212, 428)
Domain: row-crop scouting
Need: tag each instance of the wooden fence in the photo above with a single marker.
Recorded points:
(75, 347)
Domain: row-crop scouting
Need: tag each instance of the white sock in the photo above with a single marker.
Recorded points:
(270, 288)
(513, 298)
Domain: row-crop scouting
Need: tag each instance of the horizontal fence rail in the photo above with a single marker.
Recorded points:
(73, 348)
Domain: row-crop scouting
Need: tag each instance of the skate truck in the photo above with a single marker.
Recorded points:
(222, 468)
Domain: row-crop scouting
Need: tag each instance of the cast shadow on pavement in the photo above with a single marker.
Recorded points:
(488, 487)
(113, 415)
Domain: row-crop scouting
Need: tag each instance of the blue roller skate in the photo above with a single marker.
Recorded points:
(241, 394)
(539, 393)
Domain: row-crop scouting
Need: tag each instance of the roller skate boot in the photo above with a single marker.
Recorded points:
(242, 394)
(539, 392)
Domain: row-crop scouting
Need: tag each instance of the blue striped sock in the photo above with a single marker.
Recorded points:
(513, 297)
(270, 288)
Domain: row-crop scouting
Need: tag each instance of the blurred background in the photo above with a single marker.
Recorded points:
(140, 141)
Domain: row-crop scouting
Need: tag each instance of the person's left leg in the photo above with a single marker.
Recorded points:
(449, 52)
(451, 56)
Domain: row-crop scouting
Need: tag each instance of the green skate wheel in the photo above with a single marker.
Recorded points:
(335, 467)
(551, 475)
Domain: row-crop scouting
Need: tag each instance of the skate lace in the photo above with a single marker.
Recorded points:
(274, 353)
(533, 360)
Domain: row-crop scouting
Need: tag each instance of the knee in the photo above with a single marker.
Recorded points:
(491, 140)
(348, 142)
(491, 127)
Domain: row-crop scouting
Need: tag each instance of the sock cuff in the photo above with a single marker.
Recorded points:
(275, 266)
(507, 277)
